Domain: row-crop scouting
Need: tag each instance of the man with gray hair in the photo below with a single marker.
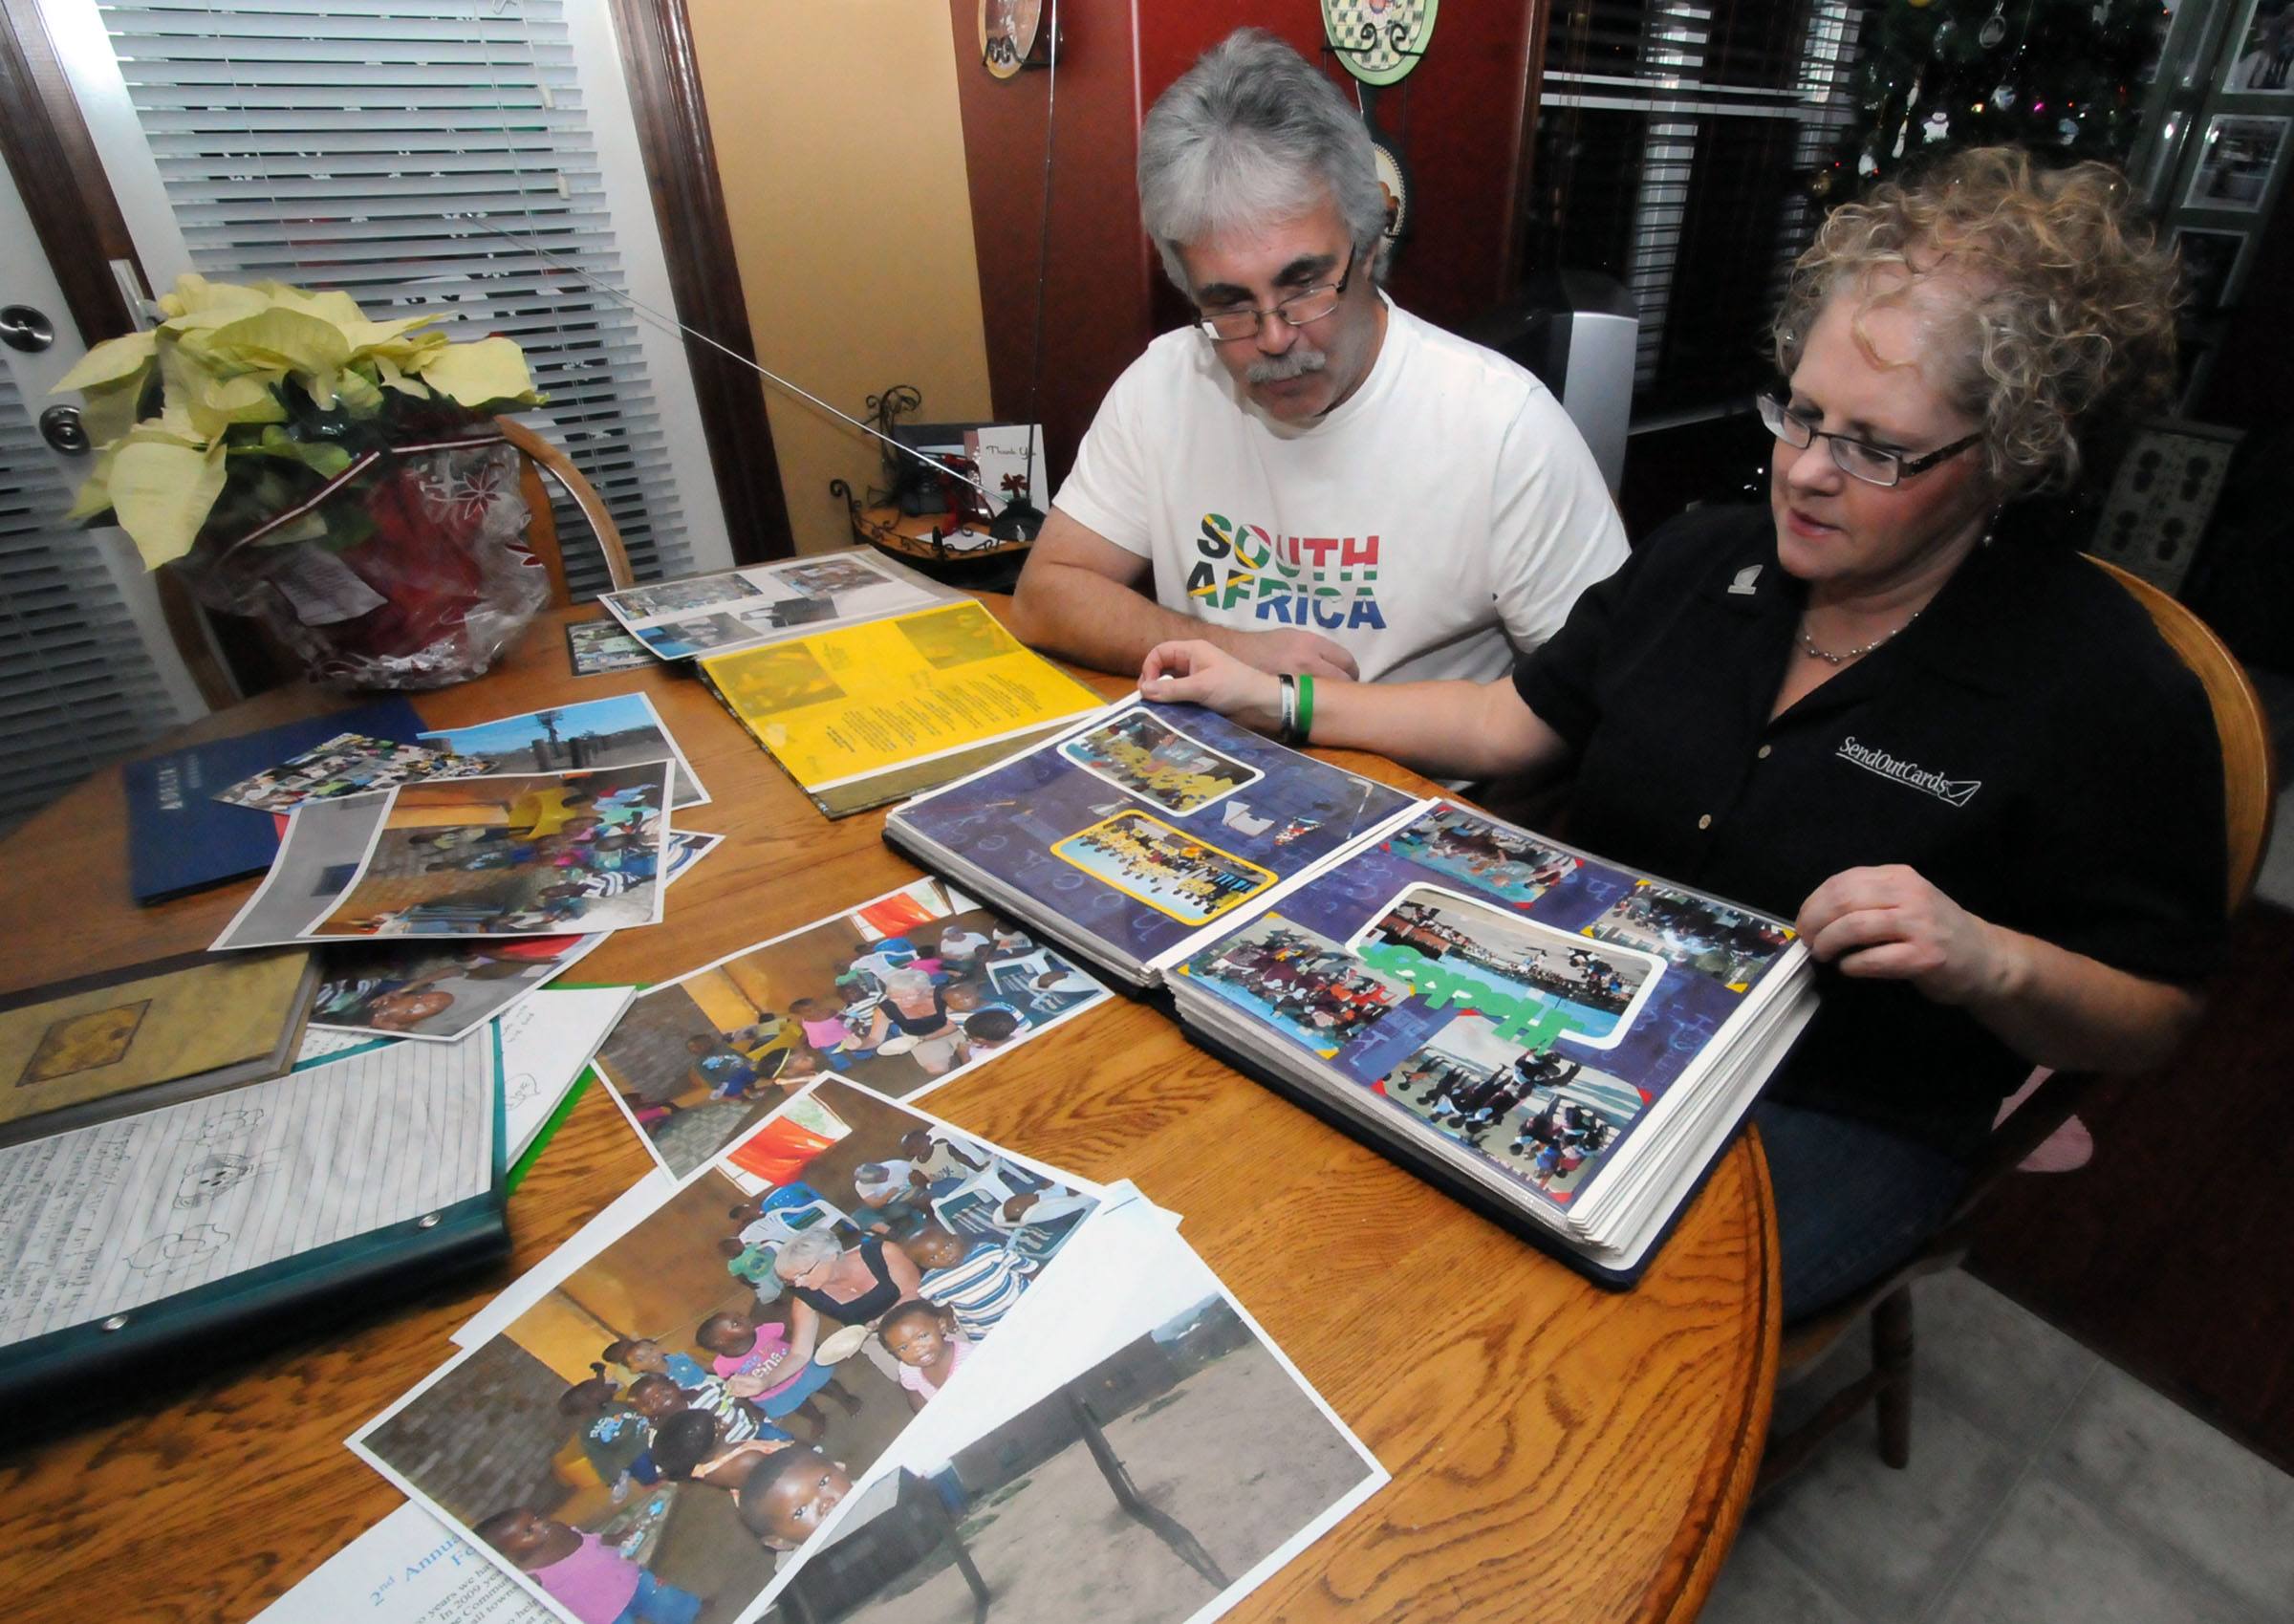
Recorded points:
(1309, 476)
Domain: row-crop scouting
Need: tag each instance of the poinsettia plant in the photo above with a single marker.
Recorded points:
(247, 401)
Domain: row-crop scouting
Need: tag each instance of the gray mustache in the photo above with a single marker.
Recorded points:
(1294, 362)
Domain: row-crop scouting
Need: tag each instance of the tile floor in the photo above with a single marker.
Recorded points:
(2045, 1485)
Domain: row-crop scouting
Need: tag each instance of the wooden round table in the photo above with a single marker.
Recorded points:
(1557, 1451)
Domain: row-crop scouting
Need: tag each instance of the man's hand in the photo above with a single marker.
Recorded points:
(1201, 673)
(1889, 923)
(1294, 651)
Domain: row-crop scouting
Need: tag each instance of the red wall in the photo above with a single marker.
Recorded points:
(1458, 118)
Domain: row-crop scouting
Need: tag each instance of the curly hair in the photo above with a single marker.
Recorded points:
(2060, 329)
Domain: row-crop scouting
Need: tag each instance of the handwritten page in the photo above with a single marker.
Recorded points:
(546, 1040)
(408, 1569)
(126, 1213)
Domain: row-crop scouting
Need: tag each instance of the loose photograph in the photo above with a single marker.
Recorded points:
(1542, 1115)
(548, 853)
(678, 1413)
(614, 731)
(2239, 160)
(896, 995)
(1156, 1460)
(1698, 933)
(349, 764)
(599, 646)
(1304, 985)
(1141, 754)
(1452, 841)
(1542, 983)
(438, 991)
(692, 634)
(1172, 872)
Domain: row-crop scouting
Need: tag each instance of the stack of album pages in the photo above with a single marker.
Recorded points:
(971, 1375)
(1562, 1043)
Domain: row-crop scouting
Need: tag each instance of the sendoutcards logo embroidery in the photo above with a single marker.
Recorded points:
(1952, 791)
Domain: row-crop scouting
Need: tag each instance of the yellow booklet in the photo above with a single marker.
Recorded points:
(876, 712)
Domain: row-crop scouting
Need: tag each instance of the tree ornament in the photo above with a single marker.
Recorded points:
(1995, 27)
(1867, 165)
(2068, 131)
(1940, 45)
(2003, 97)
(1821, 187)
(1937, 126)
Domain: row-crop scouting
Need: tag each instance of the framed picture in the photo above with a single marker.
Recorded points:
(2265, 63)
(2237, 159)
(2212, 263)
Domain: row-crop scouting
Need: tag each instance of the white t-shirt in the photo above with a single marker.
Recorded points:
(1446, 509)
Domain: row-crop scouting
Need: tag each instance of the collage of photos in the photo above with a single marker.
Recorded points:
(1141, 754)
(1506, 863)
(1541, 1115)
(1562, 983)
(710, 614)
(1732, 946)
(680, 1413)
(618, 731)
(349, 764)
(1173, 872)
(550, 854)
(1153, 1459)
(894, 995)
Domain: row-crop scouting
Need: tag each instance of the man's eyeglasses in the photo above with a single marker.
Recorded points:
(1856, 457)
(1308, 304)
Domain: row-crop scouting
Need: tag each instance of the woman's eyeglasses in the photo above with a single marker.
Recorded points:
(1856, 457)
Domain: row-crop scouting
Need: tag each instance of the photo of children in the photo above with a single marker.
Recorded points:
(525, 854)
(769, 680)
(1452, 840)
(597, 646)
(1306, 984)
(957, 635)
(434, 993)
(1488, 959)
(1729, 944)
(679, 597)
(1149, 1470)
(1542, 1115)
(675, 638)
(896, 995)
(616, 731)
(349, 764)
(1171, 871)
(1143, 755)
(683, 1408)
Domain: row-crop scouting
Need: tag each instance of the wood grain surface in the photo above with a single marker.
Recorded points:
(1558, 1451)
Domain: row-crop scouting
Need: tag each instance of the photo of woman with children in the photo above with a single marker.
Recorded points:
(894, 995)
(650, 1439)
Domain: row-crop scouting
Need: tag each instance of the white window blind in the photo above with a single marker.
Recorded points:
(422, 154)
(77, 687)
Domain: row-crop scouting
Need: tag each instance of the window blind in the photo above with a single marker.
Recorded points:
(1673, 137)
(77, 687)
(421, 156)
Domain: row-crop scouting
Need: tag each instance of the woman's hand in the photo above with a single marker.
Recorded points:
(1889, 923)
(1200, 673)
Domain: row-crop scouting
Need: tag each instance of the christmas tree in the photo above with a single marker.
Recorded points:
(2062, 77)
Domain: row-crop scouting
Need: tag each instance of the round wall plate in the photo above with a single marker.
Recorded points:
(1010, 33)
(1379, 40)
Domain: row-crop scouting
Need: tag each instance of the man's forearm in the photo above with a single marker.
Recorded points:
(1080, 615)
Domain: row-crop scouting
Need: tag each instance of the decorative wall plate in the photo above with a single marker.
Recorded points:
(1379, 40)
(1010, 33)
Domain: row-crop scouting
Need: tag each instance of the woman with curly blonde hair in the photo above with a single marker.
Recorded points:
(1960, 758)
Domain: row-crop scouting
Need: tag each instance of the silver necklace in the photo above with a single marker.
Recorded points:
(1844, 656)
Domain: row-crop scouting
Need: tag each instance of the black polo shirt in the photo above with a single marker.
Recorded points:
(2030, 745)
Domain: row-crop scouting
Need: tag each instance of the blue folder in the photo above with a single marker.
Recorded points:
(181, 838)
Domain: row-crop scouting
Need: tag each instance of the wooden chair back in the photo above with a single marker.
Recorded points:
(540, 458)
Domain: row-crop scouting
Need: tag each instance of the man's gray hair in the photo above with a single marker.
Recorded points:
(1248, 135)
